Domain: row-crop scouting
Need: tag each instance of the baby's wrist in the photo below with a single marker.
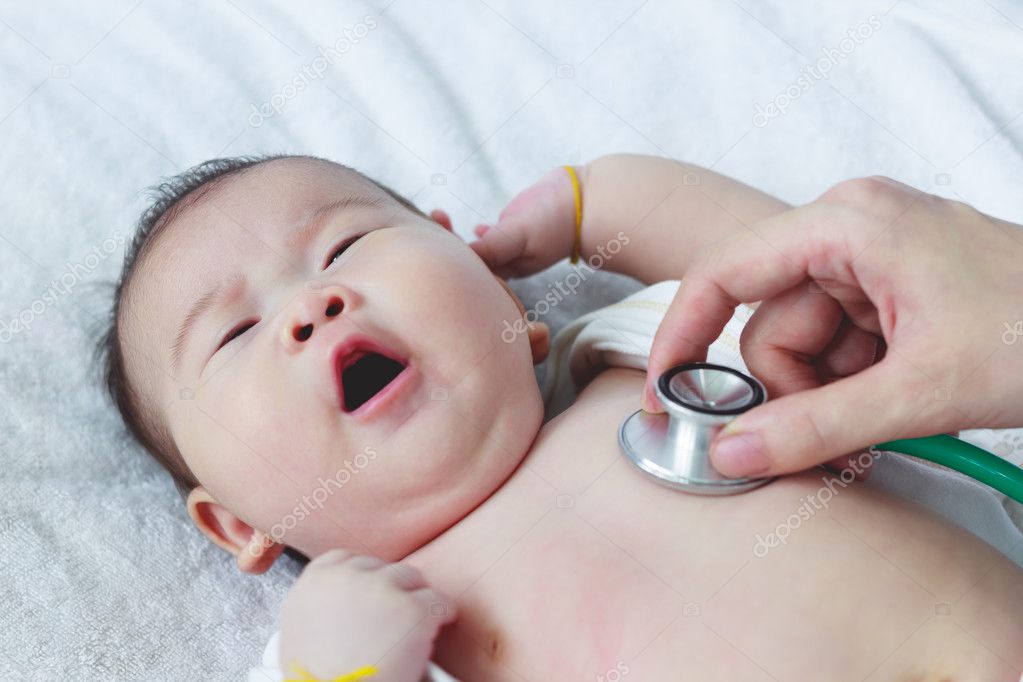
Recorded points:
(561, 188)
(296, 673)
(577, 213)
(590, 235)
(564, 209)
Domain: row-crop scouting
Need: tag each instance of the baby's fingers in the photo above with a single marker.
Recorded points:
(439, 608)
(406, 576)
(497, 249)
(442, 218)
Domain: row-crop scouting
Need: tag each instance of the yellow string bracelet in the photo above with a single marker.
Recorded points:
(360, 674)
(577, 247)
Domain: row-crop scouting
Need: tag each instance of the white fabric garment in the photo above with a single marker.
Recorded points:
(620, 335)
(269, 668)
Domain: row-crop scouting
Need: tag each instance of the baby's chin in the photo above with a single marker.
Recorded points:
(401, 537)
(403, 509)
(393, 544)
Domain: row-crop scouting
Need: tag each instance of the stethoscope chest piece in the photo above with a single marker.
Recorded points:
(699, 398)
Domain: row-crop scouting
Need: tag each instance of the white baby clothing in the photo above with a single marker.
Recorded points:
(620, 335)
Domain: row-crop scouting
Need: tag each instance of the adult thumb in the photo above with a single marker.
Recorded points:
(806, 428)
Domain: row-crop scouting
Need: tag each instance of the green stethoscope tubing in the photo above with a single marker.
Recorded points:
(965, 458)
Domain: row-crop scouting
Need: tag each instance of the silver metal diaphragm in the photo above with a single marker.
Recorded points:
(699, 398)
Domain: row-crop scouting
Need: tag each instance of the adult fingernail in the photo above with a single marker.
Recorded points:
(731, 428)
(740, 455)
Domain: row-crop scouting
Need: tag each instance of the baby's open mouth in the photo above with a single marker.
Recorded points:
(364, 372)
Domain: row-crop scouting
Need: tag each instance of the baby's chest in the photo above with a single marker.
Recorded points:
(564, 602)
(603, 565)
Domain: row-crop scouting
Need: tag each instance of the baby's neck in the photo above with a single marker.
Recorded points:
(508, 512)
(566, 450)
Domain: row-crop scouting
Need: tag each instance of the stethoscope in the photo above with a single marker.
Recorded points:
(699, 398)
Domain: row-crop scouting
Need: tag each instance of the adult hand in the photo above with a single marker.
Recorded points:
(886, 313)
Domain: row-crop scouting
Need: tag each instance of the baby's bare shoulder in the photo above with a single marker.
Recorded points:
(610, 383)
(615, 391)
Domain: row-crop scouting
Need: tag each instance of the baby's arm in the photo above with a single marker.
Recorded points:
(348, 614)
(667, 210)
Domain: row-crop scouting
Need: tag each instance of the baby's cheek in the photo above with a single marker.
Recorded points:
(236, 425)
(458, 300)
(272, 426)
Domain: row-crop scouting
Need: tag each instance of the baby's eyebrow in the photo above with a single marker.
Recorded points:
(198, 309)
(302, 235)
(202, 306)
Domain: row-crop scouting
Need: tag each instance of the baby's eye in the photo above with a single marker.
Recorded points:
(235, 333)
(341, 249)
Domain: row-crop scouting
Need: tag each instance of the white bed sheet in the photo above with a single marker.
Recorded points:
(457, 103)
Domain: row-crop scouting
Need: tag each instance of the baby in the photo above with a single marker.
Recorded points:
(323, 368)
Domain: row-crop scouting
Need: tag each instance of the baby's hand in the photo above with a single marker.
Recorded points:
(534, 231)
(348, 611)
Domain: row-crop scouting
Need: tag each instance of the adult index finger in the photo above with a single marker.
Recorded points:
(766, 259)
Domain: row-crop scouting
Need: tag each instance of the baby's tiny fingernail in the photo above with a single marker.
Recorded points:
(740, 455)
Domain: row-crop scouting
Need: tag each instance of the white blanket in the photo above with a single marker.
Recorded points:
(458, 103)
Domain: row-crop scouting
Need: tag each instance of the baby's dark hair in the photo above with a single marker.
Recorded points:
(169, 198)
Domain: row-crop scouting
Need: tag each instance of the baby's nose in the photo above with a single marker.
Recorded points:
(306, 313)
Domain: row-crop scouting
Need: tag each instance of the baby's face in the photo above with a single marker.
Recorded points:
(362, 399)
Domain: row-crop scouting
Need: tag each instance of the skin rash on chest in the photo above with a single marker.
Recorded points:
(580, 568)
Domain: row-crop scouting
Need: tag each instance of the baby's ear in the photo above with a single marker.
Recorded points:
(441, 218)
(539, 340)
(539, 333)
(254, 551)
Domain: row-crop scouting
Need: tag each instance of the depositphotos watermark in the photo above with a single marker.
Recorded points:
(60, 287)
(315, 500)
(615, 674)
(556, 291)
(1012, 333)
(820, 70)
(811, 504)
(313, 71)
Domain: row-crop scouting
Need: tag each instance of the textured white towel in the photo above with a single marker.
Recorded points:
(620, 335)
